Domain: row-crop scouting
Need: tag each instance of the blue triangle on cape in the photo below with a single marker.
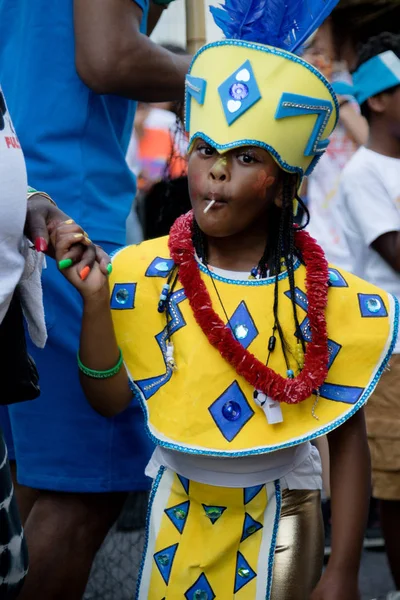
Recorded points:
(243, 574)
(251, 492)
(164, 560)
(250, 526)
(178, 515)
(185, 482)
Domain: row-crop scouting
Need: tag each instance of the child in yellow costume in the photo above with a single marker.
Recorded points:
(239, 341)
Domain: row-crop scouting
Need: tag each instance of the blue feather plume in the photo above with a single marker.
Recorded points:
(284, 24)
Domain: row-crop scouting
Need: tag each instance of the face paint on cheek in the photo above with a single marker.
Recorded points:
(263, 181)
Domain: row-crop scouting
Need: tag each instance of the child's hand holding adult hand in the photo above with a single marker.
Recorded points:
(88, 273)
(337, 585)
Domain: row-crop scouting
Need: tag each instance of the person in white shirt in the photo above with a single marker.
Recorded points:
(370, 214)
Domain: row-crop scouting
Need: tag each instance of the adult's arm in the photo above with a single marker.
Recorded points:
(114, 57)
(388, 246)
(355, 124)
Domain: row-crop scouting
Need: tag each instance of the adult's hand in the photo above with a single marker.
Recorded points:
(43, 218)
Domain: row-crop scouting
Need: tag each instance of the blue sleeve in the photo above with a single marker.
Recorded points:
(143, 4)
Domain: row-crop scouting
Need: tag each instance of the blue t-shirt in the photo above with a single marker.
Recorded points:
(74, 140)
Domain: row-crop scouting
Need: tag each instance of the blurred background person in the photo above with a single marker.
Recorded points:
(322, 186)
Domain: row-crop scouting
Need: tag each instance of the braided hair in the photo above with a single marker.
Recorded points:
(280, 250)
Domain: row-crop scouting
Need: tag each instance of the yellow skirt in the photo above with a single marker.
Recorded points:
(205, 542)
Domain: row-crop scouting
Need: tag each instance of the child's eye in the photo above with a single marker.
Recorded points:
(205, 150)
(247, 158)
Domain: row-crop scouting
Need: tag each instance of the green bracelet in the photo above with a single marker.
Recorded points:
(101, 374)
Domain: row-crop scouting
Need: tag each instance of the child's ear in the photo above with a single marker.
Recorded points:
(378, 103)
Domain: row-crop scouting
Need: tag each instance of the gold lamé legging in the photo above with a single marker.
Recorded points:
(300, 546)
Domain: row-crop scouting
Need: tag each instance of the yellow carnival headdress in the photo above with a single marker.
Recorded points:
(252, 89)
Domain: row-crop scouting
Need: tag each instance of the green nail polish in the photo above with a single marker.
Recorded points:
(65, 264)
(109, 268)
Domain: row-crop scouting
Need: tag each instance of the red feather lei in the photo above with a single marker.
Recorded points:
(263, 378)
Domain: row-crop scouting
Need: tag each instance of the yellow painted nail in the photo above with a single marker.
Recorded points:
(69, 222)
(87, 240)
(78, 235)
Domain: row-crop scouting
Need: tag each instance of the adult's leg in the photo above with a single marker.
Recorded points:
(64, 532)
(383, 426)
(25, 496)
(390, 522)
(300, 546)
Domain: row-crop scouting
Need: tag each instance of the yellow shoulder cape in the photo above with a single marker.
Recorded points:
(184, 408)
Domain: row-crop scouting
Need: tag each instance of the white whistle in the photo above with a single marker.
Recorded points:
(170, 355)
(272, 409)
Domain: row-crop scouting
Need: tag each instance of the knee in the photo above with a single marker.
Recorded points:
(81, 519)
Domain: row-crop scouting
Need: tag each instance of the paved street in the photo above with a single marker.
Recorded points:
(375, 578)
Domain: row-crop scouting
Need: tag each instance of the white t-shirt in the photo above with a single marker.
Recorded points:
(369, 207)
(323, 195)
(298, 467)
(13, 199)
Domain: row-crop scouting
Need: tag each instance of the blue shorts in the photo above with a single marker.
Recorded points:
(60, 442)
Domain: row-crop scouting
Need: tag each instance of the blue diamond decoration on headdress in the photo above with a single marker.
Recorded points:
(178, 515)
(231, 411)
(336, 279)
(250, 526)
(372, 305)
(251, 492)
(214, 512)
(123, 296)
(243, 326)
(244, 573)
(164, 560)
(200, 590)
(160, 267)
(185, 483)
(239, 92)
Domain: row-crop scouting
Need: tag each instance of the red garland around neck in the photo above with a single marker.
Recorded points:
(257, 374)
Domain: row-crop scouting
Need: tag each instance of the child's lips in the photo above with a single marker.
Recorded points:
(216, 198)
